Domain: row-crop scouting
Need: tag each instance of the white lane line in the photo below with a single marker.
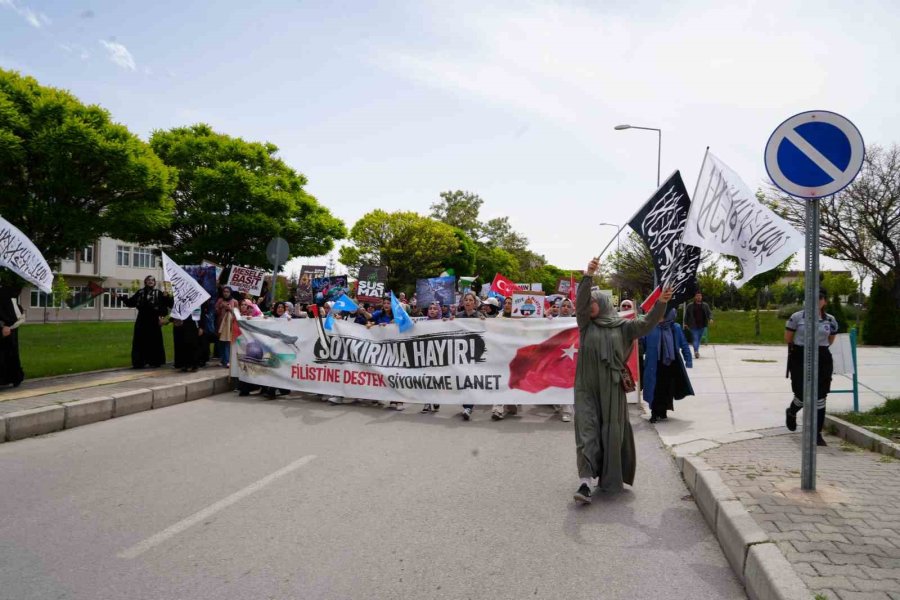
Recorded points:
(814, 155)
(210, 510)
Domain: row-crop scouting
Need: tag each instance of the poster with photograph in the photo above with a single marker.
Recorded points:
(304, 283)
(527, 305)
(327, 289)
(441, 289)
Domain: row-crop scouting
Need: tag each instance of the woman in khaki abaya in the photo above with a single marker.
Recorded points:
(604, 443)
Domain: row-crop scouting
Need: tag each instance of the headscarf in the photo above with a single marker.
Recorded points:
(611, 351)
(667, 338)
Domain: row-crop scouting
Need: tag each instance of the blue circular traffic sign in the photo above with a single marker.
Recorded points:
(814, 154)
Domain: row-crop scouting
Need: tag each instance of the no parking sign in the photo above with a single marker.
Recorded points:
(814, 154)
(811, 155)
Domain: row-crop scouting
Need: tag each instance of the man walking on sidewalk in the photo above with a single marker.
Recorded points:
(697, 317)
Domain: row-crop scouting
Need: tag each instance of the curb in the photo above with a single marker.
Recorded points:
(862, 437)
(756, 560)
(49, 419)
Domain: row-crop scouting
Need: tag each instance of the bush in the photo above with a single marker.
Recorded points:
(837, 311)
(785, 312)
(882, 324)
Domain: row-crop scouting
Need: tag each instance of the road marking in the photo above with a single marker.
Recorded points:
(210, 510)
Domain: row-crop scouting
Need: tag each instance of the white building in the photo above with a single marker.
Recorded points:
(116, 266)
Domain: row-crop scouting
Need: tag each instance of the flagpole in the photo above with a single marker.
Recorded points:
(614, 238)
(702, 164)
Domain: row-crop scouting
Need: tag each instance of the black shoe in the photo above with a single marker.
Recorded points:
(663, 417)
(653, 418)
(243, 393)
(820, 441)
(790, 420)
(583, 494)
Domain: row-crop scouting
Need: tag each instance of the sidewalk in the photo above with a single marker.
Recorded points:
(843, 540)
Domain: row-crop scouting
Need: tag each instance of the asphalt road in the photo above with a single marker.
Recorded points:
(236, 498)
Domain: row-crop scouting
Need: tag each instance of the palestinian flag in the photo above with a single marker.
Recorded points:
(81, 298)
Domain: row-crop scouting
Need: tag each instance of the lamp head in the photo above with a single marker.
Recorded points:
(621, 127)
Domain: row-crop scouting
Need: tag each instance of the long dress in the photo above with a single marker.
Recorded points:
(10, 316)
(604, 441)
(147, 344)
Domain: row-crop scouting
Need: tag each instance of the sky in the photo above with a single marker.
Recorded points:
(387, 104)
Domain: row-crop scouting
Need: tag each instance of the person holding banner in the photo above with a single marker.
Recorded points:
(469, 310)
(11, 317)
(147, 343)
(794, 336)
(604, 442)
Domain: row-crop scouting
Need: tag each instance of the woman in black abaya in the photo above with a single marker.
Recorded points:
(11, 317)
(147, 344)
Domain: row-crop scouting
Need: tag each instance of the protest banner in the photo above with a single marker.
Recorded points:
(21, 256)
(440, 289)
(247, 281)
(528, 305)
(372, 284)
(464, 361)
(304, 283)
(188, 292)
(327, 289)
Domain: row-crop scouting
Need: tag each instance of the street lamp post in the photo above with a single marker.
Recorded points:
(658, 146)
(618, 231)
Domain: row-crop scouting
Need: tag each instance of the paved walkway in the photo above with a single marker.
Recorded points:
(49, 391)
(844, 538)
(743, 388)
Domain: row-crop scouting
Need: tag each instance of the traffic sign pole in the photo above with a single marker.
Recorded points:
(810, 348)
(812, 155)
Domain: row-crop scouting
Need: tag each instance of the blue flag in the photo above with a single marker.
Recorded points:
(344, 304)
(400, 317)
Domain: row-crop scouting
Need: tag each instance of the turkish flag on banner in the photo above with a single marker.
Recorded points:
(503, 286)
(548, 364)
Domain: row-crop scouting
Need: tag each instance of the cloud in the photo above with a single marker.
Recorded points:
(87, 14)
(81, 51)
(35, 19)
(119, 55)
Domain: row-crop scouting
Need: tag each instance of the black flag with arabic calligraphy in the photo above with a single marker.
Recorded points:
(660, 223)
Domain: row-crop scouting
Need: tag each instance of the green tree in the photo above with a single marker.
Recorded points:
(409, 245)
(882, 322)
(69, 174)
(463, 261)
(459, 209)
(756, 287)
(632, 267)
(711, 281)
(491, 260)
(233, 196)
(840, 284)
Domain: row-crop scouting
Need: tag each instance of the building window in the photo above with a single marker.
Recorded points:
(87, 255)
(111, 297)
(144, 258)
(77, 291)
(123, 256)
(41, 300)
(70, 255)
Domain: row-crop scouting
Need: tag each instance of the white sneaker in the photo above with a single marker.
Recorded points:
(466, 414)
(397, 406)
(566, 417)
(335, 400)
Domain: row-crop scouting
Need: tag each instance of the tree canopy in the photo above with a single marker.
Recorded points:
(233, 196)
(409, 245)
(69, 174)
